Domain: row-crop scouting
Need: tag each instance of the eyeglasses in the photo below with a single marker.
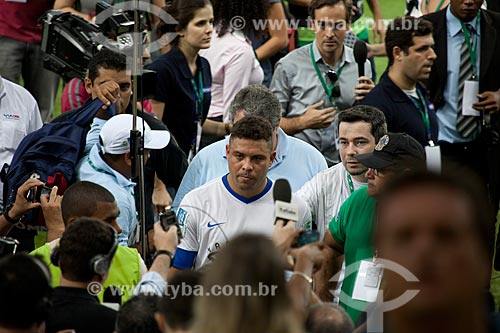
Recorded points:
(382, 172)
(333, 77)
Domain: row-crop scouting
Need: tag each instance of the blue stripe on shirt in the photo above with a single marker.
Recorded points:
(184, 259)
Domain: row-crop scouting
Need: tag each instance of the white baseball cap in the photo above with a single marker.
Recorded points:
(115, 135)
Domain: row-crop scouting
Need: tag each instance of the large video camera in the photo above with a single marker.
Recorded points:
(70, 41)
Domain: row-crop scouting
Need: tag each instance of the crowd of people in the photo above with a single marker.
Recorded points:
(387, 222)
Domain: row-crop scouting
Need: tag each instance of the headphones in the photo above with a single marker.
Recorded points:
(99, 264)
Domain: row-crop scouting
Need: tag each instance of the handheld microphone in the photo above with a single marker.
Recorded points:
(282, 196)
(360, 54)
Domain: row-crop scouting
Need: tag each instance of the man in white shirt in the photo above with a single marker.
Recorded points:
(359, 130)
(238, 202)
(19, 116)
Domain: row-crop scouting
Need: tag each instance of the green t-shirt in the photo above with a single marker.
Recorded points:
(352, 228)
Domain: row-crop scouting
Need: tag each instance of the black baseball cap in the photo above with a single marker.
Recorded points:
(391, 149)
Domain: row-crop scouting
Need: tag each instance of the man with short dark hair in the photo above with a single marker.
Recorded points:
(318, 79)
(109, 81)
(351, 230)
(138, 315)
(176, 314)
(439, 228)
(239, 202)
(295, 160)
(359, 129)
(84, 255)
(25, 293)
(87, 199)
(409, 46)
(467, 49)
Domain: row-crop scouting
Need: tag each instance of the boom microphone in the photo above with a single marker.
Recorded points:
(282, 196)
(360, 54)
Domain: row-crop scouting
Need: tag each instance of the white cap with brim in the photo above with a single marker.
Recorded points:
(115, 135)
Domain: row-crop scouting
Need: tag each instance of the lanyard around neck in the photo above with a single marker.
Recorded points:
(422, 108)
(472, 51)
(328, 89)
(349, 181)
(198, 91)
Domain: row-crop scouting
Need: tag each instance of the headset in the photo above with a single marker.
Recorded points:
(99, 264)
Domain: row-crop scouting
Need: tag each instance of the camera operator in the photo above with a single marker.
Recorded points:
(109, 81)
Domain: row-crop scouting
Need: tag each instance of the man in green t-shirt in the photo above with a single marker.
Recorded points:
(351, 230)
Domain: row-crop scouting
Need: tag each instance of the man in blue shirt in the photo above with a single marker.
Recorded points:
(465, 34)
(295, 160)
(109, 164)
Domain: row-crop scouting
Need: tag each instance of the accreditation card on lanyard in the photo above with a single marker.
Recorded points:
(368, 280)
(471, 86)
(432, 151)
(199, 95)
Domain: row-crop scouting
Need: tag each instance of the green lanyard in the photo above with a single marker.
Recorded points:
(472, 52)
(98, 169)
(349, 181)
(328, 90)
(198, 91)
(424, 112)
(437, 8)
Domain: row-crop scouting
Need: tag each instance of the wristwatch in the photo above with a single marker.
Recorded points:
(168, 253)
(7, 217)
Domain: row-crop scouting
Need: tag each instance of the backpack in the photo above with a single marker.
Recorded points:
(50, 154)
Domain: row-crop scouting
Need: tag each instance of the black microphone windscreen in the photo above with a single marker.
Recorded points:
(282, 190)
(360, 54)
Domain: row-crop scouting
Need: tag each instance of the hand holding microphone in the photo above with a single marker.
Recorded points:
(365, 84)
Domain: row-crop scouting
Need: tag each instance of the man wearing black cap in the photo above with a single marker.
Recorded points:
(351, 230)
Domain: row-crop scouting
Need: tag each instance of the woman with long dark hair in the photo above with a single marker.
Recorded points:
(183, 81)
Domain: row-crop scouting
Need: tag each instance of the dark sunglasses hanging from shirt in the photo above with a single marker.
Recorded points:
(333, 90)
